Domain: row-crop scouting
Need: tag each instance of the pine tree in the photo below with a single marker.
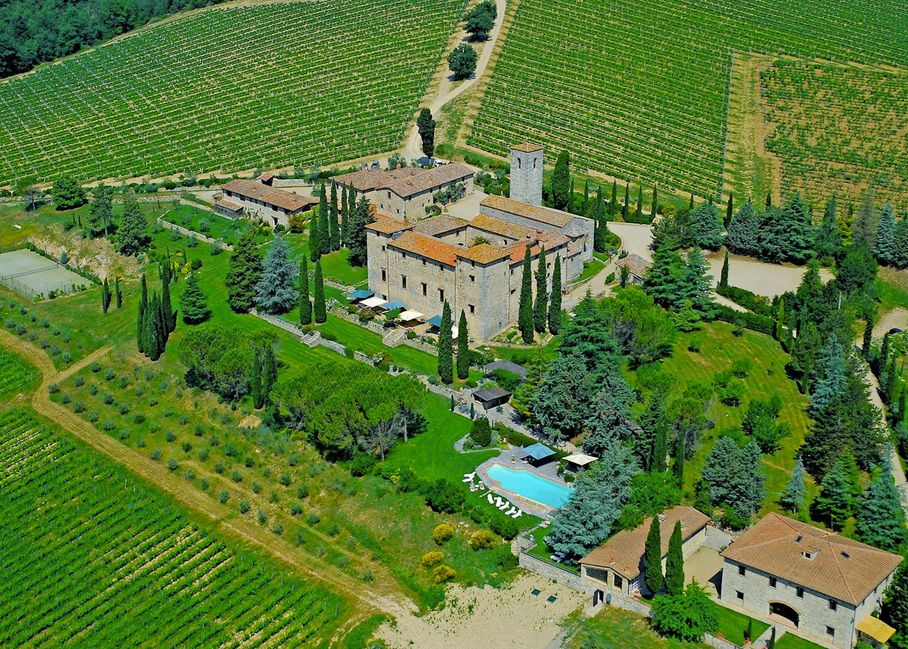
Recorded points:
(627, 202)
(324, 222)
(794, 498)
(652, 558)
(276, 289)
(319, 309)
(830, 379)
(880, 518)
(561, 181)
(613, 203)
(555, 299)
(140, 318)
(655, 206)
(105, 295)
(132, 235)
(446, 347)
(243, 274)
(835, 502)
(525, 308)
(895, 606)
(100, 215)
(723, 277)
(305, 302)
(463, 348)
(674, 563)
(729, 209)
(170, 316)
(829, 235)
(362, 216)
(193, 303)
(333, 226)
(118, 291)
(540, 308)
(868, 337)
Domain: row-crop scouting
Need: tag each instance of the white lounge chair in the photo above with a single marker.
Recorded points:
(469, 476)
(489, 497)
(518, 514)
(467, 480)
(511, 511)
(504, 505)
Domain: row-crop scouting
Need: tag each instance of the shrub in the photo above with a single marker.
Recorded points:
(244, 506)
(444, 496)
(442, 533)
(687, 616)
(302, 492)
(433, 558)
(79, 381)
(278, 529)
(481, 432)
(236, 476)
(138, 418)
(296, 508)
(172, 465)
(218, 468)
(482, 539)
(79, 406)
(443, 574)
(169, 436)
(504, 526)
(186, 447)
(741, 367)
(223, 496)
(362, 464)
(53, 388)
(156, 455)
(256, 488)
(65, 399)
(312, 518)
(262, 517)
(284, 480)
(123, 408)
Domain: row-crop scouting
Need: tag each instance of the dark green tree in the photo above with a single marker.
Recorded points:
(345, 215)
(193, 303)
(118, 292)
(68, 193)
(362, 216)
(480, 21)
(132, 235)
(140, 316)
(561, 181)
(319, 310)
(446, 347)
(674, 563)
(655, 205)
(276, 290)
(243, 273)
(836, 501)
(743, 231)
(787, 234)
(555, 299)
(105, 295)
(678, 464)
(540, 309)
(525, 307)
(613, 202)
(729, 209)
(170, 316)
(100, 215)
(794, 498)
(829, 234)
(625, 207)
(704, 227)
(304, 302)
(333, 224)
(425, 125)
(895, 607)
(868, 337)
(463, 348)
(315, 237)
(652, 558)
(324, 222)
(638, 215)
(723, 277)
(880, 517)
(462, 61)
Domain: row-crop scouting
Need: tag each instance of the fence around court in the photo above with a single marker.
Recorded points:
(34, 275)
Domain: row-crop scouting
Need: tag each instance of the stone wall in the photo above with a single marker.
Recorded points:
(192, 233)
(550, 571)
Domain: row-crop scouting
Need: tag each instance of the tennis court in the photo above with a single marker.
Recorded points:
(30, 274)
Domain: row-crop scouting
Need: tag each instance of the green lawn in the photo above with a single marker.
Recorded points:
(892, 288)
(334, 265)
(720, 348)
(791, 641)
(614, 628)
(16, 374)
(590, 268)
(732, 625)
(210, 224)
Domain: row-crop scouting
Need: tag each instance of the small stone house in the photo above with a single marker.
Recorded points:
(270, 205)
(637, 268)
(824, 586)
(617, 564)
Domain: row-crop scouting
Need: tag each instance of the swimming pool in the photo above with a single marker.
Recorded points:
(530, 485)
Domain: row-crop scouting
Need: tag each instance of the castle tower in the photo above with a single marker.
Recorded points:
(526, 173)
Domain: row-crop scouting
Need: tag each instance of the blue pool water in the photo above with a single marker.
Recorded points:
(530, 486)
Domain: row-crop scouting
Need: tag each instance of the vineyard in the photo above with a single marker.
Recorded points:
(638, 89)
(232, 89)
(15, 374)
(839, 130)
(116, 565)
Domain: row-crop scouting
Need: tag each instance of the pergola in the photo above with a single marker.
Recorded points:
(410, 315)
(538, 452)
(360, 294)
(491, 397)
(373, 303)
(579, 461)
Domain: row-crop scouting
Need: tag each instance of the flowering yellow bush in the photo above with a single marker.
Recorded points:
(442, 533)
(482, 539)
(444, 573)
(433, 558)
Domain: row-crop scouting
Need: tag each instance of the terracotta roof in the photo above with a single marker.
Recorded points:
(387, 225)
(636, 265)
(504, 228)
(269, 195)
(816, 559)
(624, 551)
(526, 147)
(484, 253)
(407, 181)
(228, 204)
(544, 215)
(428, 247)
(440, 225)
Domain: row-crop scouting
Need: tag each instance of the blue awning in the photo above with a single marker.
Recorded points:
(538, 451)
(361, 294)
(435, 321)
(396, 304)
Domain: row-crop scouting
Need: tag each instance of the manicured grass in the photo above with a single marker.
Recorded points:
(590, 268)
(364, 340)
(732, 625)
(359, 636)
(791, 641)
(210, 224)
(542, 551)
(335, 265)
(892, 288)
(719, 349)
(614, 628)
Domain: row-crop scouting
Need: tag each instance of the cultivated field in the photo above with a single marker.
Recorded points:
(233, 89)
(116, 564)
(838, 129)
(15, 374)
(638, 89)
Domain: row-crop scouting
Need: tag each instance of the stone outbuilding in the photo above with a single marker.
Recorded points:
(270, 205)
(824, 586)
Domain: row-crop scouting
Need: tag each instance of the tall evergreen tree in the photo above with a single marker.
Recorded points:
(118, 292)
(324, 222)
(829, 234)
(864, 228)
(884, 247)
(570, 204)
(768, 203)
(540, 309)
(362, 216)
(446, 347)
(638, 215)
(170, 316)
(723, 277)
(787, 234)
(625, 208)
(319, 310)
(345, 215)
(132, 235)
(613, 203)
(305, 302)
(276, 289)
(255, 382)
(655, 205)
(315, 238)
(463, 348)
(561, 181)
(105, 295)
(425, 125)
(794, 498)
(333, 225)
(830, 379)
(704, 227)
(585, 208)
(881, 519)
(243, 274)
(895, 607)
(100, 215)
(743, 231)
(836, 500)
(697, 286)
(555, 299)
(729, 209)
(678, 465)
(674, 563)
(652, 558)
(868, 337)
(269, 368)
(140, 316)
(193, 303)
(525, 307)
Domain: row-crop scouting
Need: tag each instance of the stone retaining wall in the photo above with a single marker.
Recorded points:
(192, 233)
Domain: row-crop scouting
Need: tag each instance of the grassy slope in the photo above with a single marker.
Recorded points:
(614, 628)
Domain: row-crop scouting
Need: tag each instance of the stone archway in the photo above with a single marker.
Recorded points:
(784, 612)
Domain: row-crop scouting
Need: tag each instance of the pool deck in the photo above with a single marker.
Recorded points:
(511, 458)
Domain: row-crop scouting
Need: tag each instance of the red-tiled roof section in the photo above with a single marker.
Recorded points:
(407, 181)
(635, 264)
(269, 195)
(503, 228)
(229, 204)
(387, 225)
(429, 247)
(623, 552)
(816, 559)
(440, 225)
(545, 215)
(484, 253)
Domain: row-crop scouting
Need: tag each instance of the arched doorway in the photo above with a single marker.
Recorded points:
(785, 612)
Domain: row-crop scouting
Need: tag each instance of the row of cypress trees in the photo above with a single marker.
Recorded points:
(312, 310)
(156, 319)
(446, 347)
(672, 582)
(545, 312)
(107, 297)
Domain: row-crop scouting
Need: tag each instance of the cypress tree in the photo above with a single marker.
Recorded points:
(315, 238)
(778, 329)
(652, 214)
(446, 347)
(884, 356)
(118, 292)
(255, 382)
(463, 348)
(902, 415)
(730, 208)
(324, 222)
(638, 216)
(351, 206)
(585, 210)
(170, 317)
(723, 277)
(652, 558)
(868, 336)
(319, 310)
(892, 382)
(678, 466)
(768, 200)
(192, 302)
(660, 448)
(570, 203)
(542, 296)
(674, 563)
(525, 312)
(627, 201)
(269, 370)
(555, 299)
(305, 302)
(345, 215)
(690, 208)
(561, 181)
(105, 295)
(333, 228)
(140, 318)
(613, 203)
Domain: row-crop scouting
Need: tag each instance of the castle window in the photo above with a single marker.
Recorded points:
(772, 582)
(518, 163)
(534, 162)
(383, 248)
(472, 308)
(383, 275)
(830, 631)
(739, 595)
(618, 581)
(833, 605)
(800, 592)
(403, 281)
(472, 279)
(441, 295)
(741, 570)
(424, 288)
